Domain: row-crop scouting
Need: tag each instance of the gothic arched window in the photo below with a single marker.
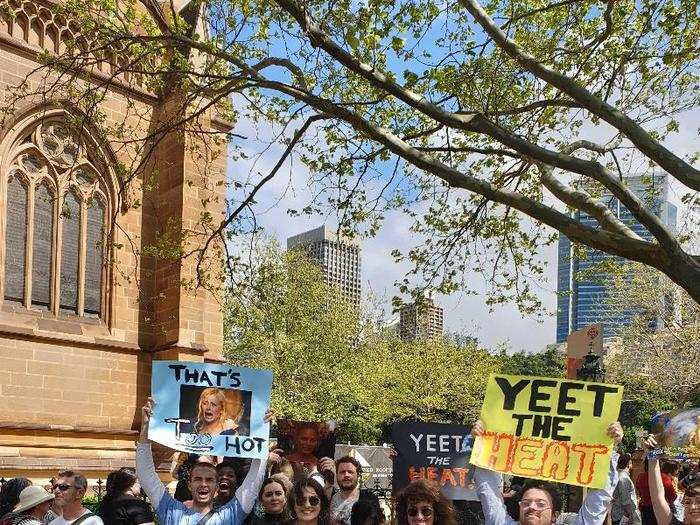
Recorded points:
(56, 203)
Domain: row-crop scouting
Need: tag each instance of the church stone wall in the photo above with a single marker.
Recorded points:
(72, 388)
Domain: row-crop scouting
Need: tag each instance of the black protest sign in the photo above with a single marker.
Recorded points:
(435, 452)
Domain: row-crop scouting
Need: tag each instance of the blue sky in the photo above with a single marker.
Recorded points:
(463, 313)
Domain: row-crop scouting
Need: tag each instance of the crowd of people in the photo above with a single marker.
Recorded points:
(225, 491)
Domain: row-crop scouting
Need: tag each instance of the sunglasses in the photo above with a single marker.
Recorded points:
(538, 504)
(426, 512)
(311, 501)
(62, 487)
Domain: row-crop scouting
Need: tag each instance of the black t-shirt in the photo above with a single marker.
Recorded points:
(126, 512)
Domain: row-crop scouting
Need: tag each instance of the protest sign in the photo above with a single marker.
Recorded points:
(210, 409)
(435, 452)
(546, 428)
(678, 433)
(306, 441)
(579, 344)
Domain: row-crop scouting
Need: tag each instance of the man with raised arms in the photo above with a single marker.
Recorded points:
(202, 484)
(540, 503)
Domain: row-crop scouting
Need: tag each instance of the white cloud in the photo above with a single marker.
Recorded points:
(463, 313)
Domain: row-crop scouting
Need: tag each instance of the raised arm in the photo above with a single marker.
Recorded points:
(247, 493)
(489, 487)
(662, 510)
(595, 507)
(145, 469)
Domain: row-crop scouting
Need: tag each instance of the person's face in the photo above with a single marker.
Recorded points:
(306, 441)
(309, 507)
(43, 508)
(65, 492)
(420, 513)
(347, 476)
(536, 508)
(691, 506)
(211, 409)
(227, 481)
(202, 485)
(273, 498)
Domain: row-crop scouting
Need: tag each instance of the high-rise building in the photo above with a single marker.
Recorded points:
(420, 321)
(582, 301)
(338, 256)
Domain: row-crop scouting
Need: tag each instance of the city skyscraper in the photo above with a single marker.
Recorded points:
(420, 322)
(582, 302)
(338, 256)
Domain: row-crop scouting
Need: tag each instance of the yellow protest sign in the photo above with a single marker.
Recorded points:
(547, 428)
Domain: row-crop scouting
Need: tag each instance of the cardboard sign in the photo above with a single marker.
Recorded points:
(210, 409)
(678, 433)
(585, 340)
(546, 428)
(435, 452)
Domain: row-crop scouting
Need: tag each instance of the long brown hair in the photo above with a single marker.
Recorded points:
(297, 492)
(419, 490)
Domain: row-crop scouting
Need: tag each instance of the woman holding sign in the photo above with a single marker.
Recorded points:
(662, 509)
(540, 503)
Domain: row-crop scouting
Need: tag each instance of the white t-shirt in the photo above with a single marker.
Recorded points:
(92, 520)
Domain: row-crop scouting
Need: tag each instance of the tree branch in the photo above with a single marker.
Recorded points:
(613, 243)
(478, 123)
(670, 162)
(296, 72)
(251, 196)
(582, 201)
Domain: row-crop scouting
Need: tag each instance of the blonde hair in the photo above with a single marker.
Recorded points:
(234, 404)
(231, 402)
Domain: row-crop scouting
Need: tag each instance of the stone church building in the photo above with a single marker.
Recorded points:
(84, 310)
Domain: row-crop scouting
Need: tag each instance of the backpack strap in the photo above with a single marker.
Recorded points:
(83, 518)
(206, 517)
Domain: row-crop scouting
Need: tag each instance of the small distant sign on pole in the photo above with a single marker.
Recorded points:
(579, 344)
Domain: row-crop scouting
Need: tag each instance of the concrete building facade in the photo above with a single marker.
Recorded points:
(86, 307)
(420, 321)
(582, 302)
(339, 258)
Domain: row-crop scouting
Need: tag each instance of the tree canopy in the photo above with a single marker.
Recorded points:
(329, 363)
(487, 124)
(548, 363)
(661, 344)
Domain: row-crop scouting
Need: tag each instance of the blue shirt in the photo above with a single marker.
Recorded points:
(173, 512)
(593, 510)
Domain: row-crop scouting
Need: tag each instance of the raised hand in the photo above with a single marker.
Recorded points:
(146, 413)
(478, 428)
(615, 431)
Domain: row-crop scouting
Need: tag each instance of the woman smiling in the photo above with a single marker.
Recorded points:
(308, 503)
